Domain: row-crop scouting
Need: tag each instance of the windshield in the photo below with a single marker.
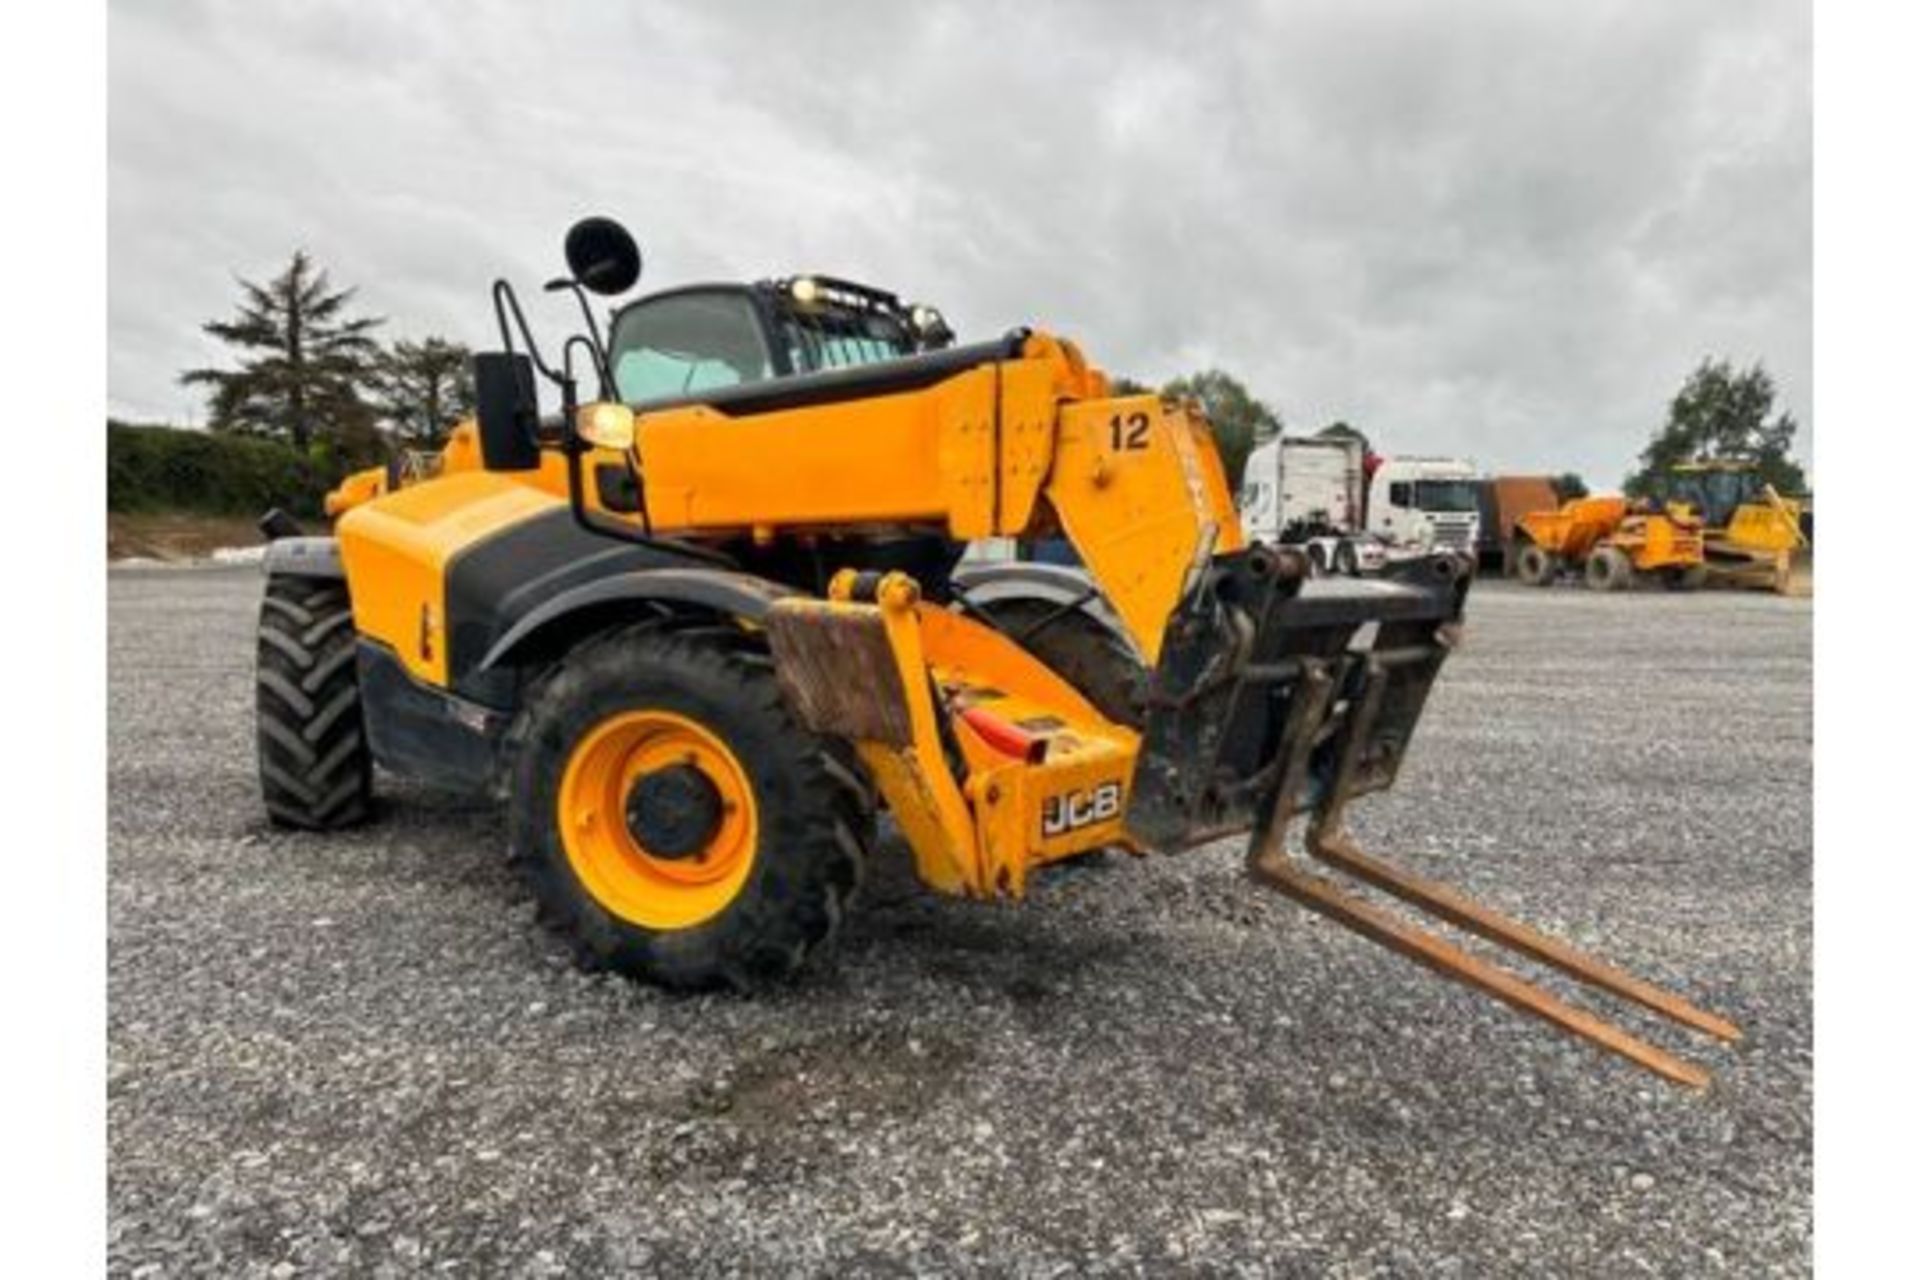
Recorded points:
(1255, 498)
(1716, 494)
(1446, 495)
(685, 343)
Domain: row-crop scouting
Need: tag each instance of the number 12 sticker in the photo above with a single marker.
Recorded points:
(1130, 434)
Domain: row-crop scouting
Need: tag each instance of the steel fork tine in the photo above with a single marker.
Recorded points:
(1339, 850)
(1444, 958)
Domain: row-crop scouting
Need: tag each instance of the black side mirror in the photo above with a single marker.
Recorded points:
(602, 255)
(508, 411)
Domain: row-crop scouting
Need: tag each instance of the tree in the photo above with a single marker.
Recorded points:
(1344, 430)
(1568, 485)
(303, 362)
(423, 388)
(1720, 413)
(1240, 419)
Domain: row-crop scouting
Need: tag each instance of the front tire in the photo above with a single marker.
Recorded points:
(675, 822)
(1535, 566)
(316, 769)
(1346, 561)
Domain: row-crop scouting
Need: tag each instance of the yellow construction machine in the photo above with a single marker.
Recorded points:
(1753, 536)
(699, 629)
(1612, 543)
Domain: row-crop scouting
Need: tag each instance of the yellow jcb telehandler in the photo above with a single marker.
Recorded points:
(698, 630)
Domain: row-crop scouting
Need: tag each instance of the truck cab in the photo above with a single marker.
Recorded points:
(1308, 491)
(1259, 500)
(1429, 503)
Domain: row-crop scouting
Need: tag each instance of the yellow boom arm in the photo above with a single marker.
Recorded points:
(1002, 450)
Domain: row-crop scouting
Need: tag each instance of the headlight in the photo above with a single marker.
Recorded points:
(805, 291)
(929, 326)
(605, 425)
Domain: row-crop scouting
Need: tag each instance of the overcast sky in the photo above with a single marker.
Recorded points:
(1500, 229)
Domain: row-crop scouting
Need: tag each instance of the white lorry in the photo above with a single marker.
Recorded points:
(1311, 492)
(1429, 504)
(1315, 492)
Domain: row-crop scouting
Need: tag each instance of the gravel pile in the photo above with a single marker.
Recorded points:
(359, 1053)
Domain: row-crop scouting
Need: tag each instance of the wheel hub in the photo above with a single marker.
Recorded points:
(675, 812)
(658, 818)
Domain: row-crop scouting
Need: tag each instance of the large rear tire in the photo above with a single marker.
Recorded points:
(316, 770)
(1609, 569)
(675, 822)
(1080, 650)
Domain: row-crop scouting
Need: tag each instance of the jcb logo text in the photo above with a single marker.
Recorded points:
(1073, 810)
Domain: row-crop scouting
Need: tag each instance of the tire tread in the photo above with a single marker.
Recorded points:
(316, 768)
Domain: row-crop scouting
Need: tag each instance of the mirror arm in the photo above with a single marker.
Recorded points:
(505, 301)
(595, 343)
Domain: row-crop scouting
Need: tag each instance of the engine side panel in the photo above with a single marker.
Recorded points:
(439, 571)
(397, 549)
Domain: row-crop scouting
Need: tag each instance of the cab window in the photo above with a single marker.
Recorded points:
(816, 343)
(687, 343)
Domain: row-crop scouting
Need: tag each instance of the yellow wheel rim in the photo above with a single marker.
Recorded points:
(620, 873)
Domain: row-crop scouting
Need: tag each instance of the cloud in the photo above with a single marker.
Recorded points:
(1498, 228)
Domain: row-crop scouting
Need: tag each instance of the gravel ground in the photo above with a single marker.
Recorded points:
(358, 1053)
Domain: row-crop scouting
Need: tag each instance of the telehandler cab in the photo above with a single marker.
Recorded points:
(697, 631)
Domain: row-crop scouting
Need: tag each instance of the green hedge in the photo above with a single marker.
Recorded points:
(169, 469)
